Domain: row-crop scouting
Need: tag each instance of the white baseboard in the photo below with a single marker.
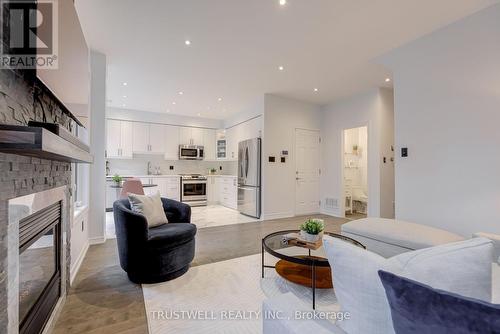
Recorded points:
(279, 215)
(97, 240)
(76, 266)
(333, 213)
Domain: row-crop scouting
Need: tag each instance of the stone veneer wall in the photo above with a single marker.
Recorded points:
(24, 98)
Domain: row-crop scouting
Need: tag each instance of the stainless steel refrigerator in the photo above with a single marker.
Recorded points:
(249, 177)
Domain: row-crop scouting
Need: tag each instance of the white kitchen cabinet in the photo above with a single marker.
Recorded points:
(213, 186)
(197, 134)
(169, 187)
(113, 144)
(191, 136)
(157, 139)
(228, 191)
(171, 142)
(119, 139)
(140, 135)
(148, 138)
(209, 143)
(231, 144)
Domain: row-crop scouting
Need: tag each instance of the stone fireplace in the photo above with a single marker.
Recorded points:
(24, 98)
(37, 277)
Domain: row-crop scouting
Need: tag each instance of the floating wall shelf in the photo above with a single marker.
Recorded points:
(40, 143)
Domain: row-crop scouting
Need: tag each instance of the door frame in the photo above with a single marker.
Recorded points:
(342, 164)
(295, 166)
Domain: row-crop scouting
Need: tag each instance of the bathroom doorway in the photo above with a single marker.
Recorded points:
(355, 158)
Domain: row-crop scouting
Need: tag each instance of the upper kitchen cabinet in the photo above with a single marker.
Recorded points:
(172, 134)
(243, 131)
(148, 138)
(232, 143)
(191, 136)
(157, 142)
(119, 139)
(209, 143)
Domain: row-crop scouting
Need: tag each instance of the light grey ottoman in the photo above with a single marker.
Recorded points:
(389, 237)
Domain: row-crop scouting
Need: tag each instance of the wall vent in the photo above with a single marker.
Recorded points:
(331, 203)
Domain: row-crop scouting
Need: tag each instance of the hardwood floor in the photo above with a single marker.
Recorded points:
(103, 300)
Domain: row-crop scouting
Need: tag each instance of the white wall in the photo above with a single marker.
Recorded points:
(253, 110)
(367, 109)
(97, 202)
(447, 112)
(154, 117)
(281, 117)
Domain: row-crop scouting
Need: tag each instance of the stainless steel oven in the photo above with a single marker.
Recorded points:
(191, 152)
(194, 189)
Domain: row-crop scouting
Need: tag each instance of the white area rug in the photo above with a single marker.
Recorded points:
(214, 290)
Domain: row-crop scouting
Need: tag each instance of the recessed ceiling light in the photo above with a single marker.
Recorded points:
(316, 89)
(181, 93)
(219, 99)
(174, 103)
(124, 96)
(281, 68)
(282, 2)
(187, 42)
(125, 83)
(387, 79)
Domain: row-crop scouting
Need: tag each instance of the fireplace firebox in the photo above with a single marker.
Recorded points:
(39, 267)
(37, 230)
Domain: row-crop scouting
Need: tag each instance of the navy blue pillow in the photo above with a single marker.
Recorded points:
(417, 308)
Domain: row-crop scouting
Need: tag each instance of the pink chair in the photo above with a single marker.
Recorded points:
(133, 186)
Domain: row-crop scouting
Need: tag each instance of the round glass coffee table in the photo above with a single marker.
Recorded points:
(297, 264)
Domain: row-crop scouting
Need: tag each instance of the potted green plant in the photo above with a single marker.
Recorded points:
(312, 230)
(117, 179)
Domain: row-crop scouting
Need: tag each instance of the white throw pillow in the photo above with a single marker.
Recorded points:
(463, 267)
(150, 207)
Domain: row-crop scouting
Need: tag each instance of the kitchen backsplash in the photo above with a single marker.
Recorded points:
(138, 166)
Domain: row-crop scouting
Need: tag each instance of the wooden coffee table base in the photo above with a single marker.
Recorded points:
(302, 274)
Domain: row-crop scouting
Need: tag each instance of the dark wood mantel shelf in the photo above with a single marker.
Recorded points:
(40, 143)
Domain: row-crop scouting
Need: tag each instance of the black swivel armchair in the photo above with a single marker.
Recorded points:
(159, 253)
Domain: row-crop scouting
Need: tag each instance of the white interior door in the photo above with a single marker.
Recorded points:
(307, 172)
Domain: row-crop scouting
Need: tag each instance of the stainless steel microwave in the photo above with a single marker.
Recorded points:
(191, 152)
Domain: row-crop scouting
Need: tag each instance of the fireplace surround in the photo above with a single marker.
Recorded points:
(37, 251)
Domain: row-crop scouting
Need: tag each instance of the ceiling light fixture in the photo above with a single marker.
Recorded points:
(316, 90)
(387, 80)
(282, 2)
(187, 42)
(219, 99)
(281, 68)
(124, 96)
(174, 103)
(125, 83)
(181, 93)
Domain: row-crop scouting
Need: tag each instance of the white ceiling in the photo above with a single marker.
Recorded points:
(238, 45)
